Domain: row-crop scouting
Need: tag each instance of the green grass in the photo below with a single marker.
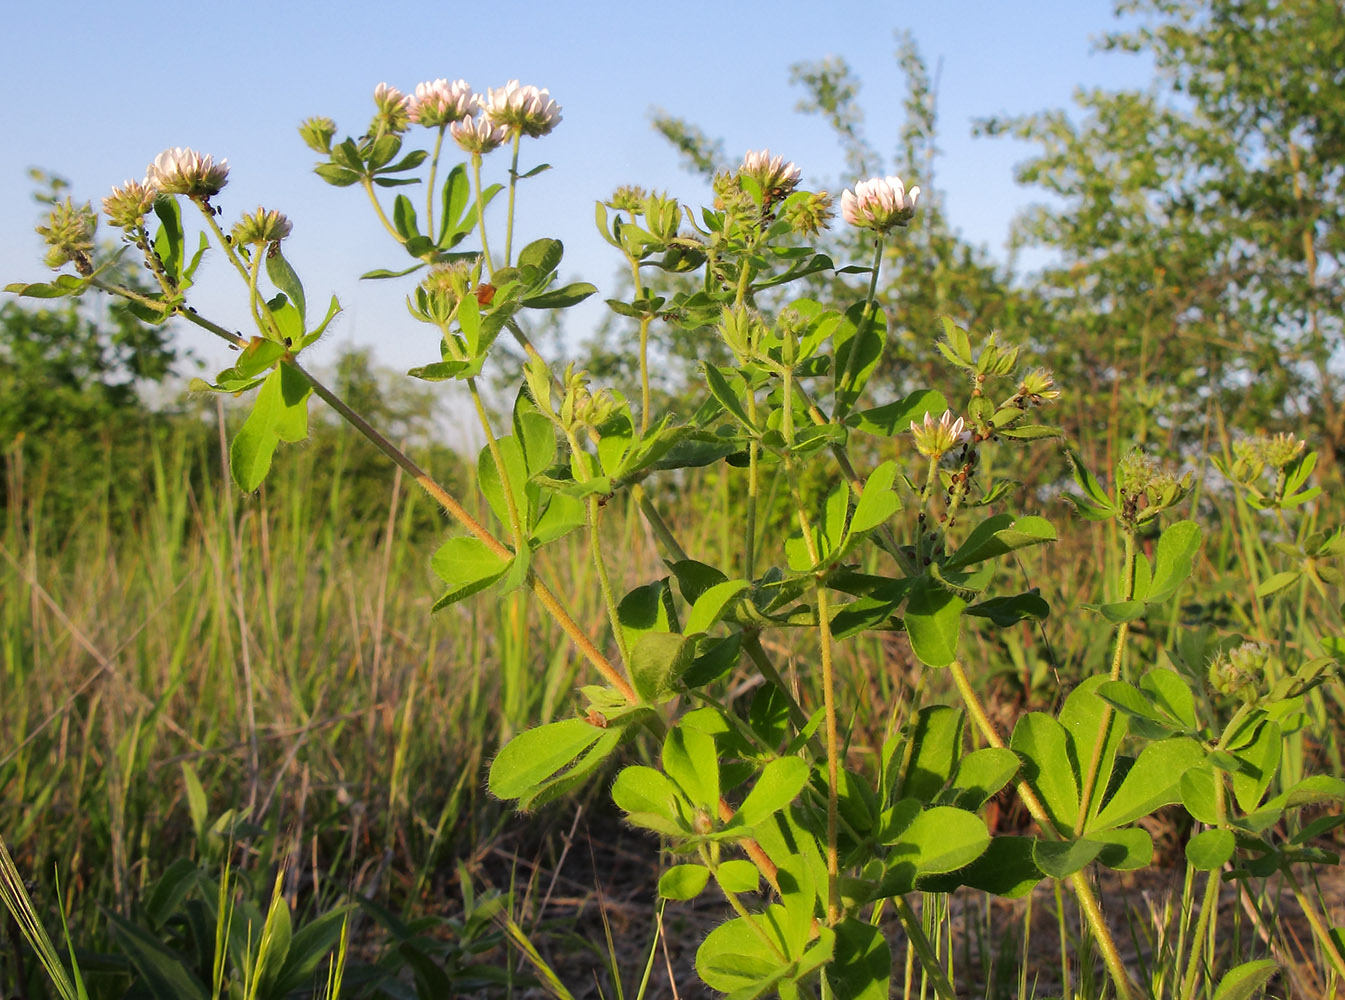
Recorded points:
(279, 648)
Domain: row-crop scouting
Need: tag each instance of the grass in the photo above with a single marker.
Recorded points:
(177, 658)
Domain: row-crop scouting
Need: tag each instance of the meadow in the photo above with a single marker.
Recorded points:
(722, 662)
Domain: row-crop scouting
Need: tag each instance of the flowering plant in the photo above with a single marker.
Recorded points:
(807, 847)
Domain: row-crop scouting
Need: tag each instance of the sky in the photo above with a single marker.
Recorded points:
(96, 90)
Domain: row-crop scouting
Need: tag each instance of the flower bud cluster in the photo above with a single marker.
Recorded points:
(477, 134)
(809, 214)
(1146, 489)
(1037, 388)
(1241, 672)
(261, 227)
(628, 198)
(317, 134)
(393, 114)
(776, 178)
(442, 290)
(128, 205)
(69, 236)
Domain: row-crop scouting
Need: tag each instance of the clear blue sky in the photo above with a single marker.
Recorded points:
(95, 90)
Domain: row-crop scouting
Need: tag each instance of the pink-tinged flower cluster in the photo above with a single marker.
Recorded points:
(438, 103)
(879, 204)
(772, 174)
(128, 205)
(394, 111)
(525, 110)
(185, 171)
(477, 134)
(934, 439)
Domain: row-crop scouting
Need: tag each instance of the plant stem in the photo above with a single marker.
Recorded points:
(919, 940)
(509, 213)
(506, 487)
(1088, 904)
(851, 362)
(429, 186)
(481, 213)
(373, 199)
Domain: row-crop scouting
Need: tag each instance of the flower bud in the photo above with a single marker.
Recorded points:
(476, 134)
(810, 214)
(773, 175)
(69, 236)
(934, 440)
(1240, 673)
(261, 227)
(393, 116)
(444, 287)
(317, 134)
(628, 198)
(1282, 449)
(1038, 387)
(128, 205)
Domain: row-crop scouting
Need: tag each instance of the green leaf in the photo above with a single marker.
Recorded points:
(738, 875)
(657, 661)
(309, 946)
(998, 535)
(560, 298)
(1277, 582)
(1153, 781)
(938, 840)
(1084, 718)
(891, 419)
(1176, 548)
(690, 759)
(537, 755)
(468, 565)
(649, 799)
(980, 775)
(1042, 743)
(860, 333)
(647, 609)
(197, 804)
(1210, 850)
(492, 487)
(285, 279)
(934, 746)
(1124, 850)
(719, 387)
(933, 622)
(862, 966)
(168, 243)
(1258, 760)
(404, 217)
(879, 500)
(1062, 858)
(1246, 980)
(1006, 611)
(1005, 869)
(683, 881)
(778, 785)
(255, 443)
(161, 972)
(710, 606)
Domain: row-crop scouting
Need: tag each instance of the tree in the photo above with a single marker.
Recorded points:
(1197, 227)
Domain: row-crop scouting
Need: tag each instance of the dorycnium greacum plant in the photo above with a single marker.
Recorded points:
(809, 846)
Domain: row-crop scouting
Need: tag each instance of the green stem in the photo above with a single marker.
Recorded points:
(429, 190)
(509, 213)
(757, 654)
(1109, 713)
(378, 209)
(481, 213)
(1319, 929)
(851, 363)
(510, 501)
(1083, 892)
(659, 526)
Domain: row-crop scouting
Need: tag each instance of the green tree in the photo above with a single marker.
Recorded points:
(1196, 228)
